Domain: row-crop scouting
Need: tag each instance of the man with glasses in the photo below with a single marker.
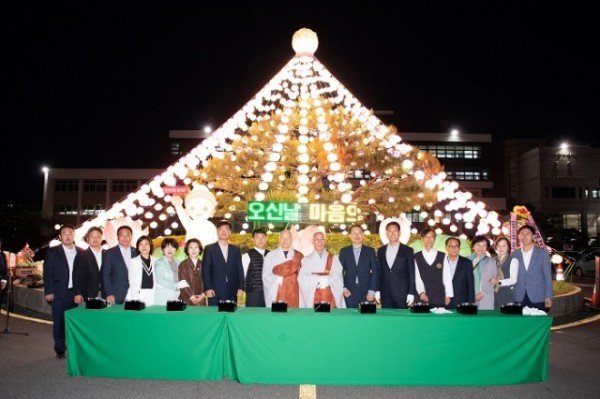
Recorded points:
(461, 271)
(432, 276)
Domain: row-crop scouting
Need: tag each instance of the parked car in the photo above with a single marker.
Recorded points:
(594, 242)
(567, 240)
(574, 255)
(586, 264)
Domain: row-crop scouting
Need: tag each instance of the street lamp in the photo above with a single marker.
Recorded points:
(207, 129)
(563, 155)
(45, 170)
(454, 132)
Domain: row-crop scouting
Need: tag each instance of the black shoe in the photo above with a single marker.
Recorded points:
(60, 355)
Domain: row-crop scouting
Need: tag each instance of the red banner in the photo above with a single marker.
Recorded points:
(537, 237)
(175, 189)
(514, 227)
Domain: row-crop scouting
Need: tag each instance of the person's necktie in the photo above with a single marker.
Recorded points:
(285, 254)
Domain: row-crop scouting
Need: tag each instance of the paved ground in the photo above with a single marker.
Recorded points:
(28, 369)
(585, 283)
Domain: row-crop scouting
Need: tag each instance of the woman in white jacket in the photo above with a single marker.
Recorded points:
(142, 278)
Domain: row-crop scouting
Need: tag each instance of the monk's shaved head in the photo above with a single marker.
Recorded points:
(285, 239)
(319, 241)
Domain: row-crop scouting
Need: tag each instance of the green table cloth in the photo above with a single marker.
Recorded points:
(392, 347)
(152, 343)
(253, 345)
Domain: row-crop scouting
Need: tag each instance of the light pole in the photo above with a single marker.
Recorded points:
(46, 170)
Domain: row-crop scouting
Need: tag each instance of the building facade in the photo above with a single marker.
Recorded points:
(75, 195)
(561, 180)
(469, 159)
(183, 141)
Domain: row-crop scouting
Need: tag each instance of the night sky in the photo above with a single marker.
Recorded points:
(100, 84)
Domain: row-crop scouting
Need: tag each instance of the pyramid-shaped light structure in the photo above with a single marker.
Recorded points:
(302, 82)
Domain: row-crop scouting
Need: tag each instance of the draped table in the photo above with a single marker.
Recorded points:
(253, 345)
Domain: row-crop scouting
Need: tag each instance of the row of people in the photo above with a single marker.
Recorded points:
(438, 278)
(491, 281)
(72, 274)
(524, 276)
(394, 270)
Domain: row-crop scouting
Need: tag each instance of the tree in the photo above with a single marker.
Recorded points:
(19, 225)
(313, 152)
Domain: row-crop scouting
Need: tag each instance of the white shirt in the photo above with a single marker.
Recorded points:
(526, 257)
(446, 275)
(126, 252)
(356, 252)
(98, 256)
(246, 259)
(451, 264)
(514, 272)
(224, 249)
(70, 259)
(390, 254)
(429, 255)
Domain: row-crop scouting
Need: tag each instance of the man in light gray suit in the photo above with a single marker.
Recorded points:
(534, 281)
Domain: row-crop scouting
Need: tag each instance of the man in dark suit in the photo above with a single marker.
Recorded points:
(115, 266)
(86, 270)
(360, 268)
(58, 283)
(461, 270)
(396, 270)
(222, 268)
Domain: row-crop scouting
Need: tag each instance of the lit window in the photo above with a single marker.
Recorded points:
(91, 210)
(415, 217)
(453, 151)
(469, 175)
(175, 149)
(66, 210)
(572, 221)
